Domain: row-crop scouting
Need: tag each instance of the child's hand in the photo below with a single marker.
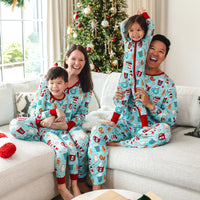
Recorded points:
(60, 115)
(47, 122)
(140, 11)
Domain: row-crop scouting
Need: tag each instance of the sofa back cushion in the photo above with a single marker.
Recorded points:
(188, 106)
(109, 89)
(6, 104)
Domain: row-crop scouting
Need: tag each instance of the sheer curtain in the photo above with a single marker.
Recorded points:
(157, 10)
(59, 13)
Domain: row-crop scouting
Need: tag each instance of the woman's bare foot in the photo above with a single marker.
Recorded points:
(97, 187)
(75, 188)
(64, 192)
(83, 186)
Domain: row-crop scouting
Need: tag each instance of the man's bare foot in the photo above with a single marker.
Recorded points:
(83, 186)
(64, 192)
(113, 144)
(75, 188)
(97, 187)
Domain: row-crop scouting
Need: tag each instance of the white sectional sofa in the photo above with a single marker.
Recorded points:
(171, 171)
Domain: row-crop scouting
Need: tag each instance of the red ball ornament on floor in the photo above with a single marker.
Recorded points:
(7, 148)
(79, 25)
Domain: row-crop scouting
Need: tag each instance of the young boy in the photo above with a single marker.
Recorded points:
(51, 107)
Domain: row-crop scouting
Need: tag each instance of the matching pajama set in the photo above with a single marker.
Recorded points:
(129, 131)
(69, 145)
(133, 75)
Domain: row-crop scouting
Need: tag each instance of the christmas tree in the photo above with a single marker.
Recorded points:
(96, 26)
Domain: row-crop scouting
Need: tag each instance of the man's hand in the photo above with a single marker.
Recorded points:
(142, 96)
(47, 122)
(119, 94)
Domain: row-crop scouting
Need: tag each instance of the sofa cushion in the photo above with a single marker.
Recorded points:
(109, 89)
(23, 101)
(6, 104)
(188, 106)
(98, 82)
(177, 162)
(31, 161)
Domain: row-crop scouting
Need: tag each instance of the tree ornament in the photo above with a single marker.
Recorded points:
(88, 49)
(105, 23)
(76, 16)
(88, 10)
(113, 10)
(114, 63)
(92, 66)
(108, 16)
(114, 39)
(78, 5)
(94, 26)
(79, 25)
(69, 31)
(75, 35)
(112, 54)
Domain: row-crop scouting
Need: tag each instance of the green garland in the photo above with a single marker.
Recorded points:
(20, 3)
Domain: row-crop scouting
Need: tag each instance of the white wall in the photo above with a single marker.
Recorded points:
(183, 30)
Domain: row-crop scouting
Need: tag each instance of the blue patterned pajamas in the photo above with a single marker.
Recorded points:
(133, 75)
(75, 106)
(129, 131)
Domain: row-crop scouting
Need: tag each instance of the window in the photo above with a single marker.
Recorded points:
(22, 33)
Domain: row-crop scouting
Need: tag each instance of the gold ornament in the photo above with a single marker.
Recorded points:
(88, 10)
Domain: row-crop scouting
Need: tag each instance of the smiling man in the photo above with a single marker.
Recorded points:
(160, 100)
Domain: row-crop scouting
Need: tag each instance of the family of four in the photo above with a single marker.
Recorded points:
(146, 107)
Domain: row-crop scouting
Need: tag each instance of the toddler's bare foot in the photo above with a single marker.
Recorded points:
(64, 192)
(75, 188)
(146, 128)
(83, 186)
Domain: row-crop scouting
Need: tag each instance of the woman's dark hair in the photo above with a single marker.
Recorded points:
(56, 72)
(140, 20)
(163, 39)
(85, 75)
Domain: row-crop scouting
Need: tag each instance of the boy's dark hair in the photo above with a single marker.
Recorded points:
(163, 39)
(140, 20)
(85, 75)
(56, 72)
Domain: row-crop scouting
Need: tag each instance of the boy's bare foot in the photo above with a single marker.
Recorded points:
(97, 187)
(83, 186)
(146, 128)
(75, 188)
(64, 192)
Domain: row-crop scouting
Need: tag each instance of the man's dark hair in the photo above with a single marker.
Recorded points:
(56, 72)
(163, 39)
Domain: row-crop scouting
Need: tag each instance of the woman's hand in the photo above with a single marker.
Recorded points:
(59, 125)
(119, 94)
(47, 122)
(142, 96)
(60, 115)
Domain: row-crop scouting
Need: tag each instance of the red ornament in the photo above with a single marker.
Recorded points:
(79, 25)
(55, 64)
(114, 40)
(108, 16)
(88, 49)
(76, 16)
(76, 12)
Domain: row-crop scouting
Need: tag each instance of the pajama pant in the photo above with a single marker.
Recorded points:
(70, 145)
(159, 134)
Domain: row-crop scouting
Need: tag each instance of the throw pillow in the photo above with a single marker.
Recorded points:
(195, 133)
(23, 101)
